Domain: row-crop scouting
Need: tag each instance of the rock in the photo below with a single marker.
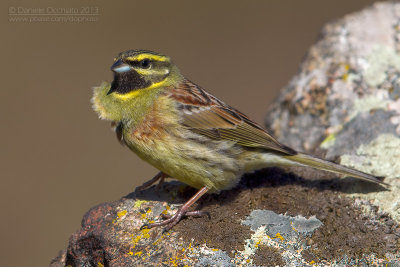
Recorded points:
(270, 215)
(345, 102)
(345, 99)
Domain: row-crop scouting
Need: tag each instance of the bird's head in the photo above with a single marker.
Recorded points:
(136, 70)
(139, 75)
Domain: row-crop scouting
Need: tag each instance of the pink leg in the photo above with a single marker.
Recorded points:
(182, 211)
(160, 176)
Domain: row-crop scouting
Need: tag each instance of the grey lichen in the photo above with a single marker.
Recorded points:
(284, 225)
(362, 129)
(380, 157)
(281, 232)
(378, 62)
(217, 258)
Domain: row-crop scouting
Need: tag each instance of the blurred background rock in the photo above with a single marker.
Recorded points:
(57, 159)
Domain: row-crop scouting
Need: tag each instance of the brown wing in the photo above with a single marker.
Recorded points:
(206, 115)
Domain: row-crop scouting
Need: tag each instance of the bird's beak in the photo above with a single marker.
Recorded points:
(120, 66)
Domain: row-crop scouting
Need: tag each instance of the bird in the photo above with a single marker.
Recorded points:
(189, 134)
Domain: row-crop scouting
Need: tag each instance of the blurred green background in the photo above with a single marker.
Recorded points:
(57, 158)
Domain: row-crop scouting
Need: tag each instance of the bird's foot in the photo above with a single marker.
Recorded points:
(195, 213)
(171, 221)
(160, 176)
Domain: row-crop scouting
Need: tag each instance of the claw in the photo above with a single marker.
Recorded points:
(165, 216)
(145, 226)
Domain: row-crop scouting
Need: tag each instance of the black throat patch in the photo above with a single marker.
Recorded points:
(127, 81)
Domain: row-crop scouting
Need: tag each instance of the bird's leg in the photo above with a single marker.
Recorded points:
(160, 176)
(195, 213)
(161, 182)
(182, 211)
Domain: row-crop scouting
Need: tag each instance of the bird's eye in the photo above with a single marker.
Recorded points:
(145, 63)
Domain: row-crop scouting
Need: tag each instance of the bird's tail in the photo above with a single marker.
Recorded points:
(307, 160)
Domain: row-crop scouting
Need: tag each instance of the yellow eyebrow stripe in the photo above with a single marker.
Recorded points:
(148, 56)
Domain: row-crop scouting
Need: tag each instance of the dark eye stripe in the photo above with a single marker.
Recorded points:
(133, 63)
(145, 63)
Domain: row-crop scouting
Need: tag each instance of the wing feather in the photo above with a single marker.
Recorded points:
(208, 116)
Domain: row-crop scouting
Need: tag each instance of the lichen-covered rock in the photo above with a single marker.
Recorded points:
(345, 101)
(271, 218)
(350, 75)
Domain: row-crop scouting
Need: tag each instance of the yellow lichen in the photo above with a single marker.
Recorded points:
(139, 253)
(294, 229)
(172, 262)
(278, 235)
(121, 213)
(145, 233)
(137, 239)
(165, 212)
(139, 203)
